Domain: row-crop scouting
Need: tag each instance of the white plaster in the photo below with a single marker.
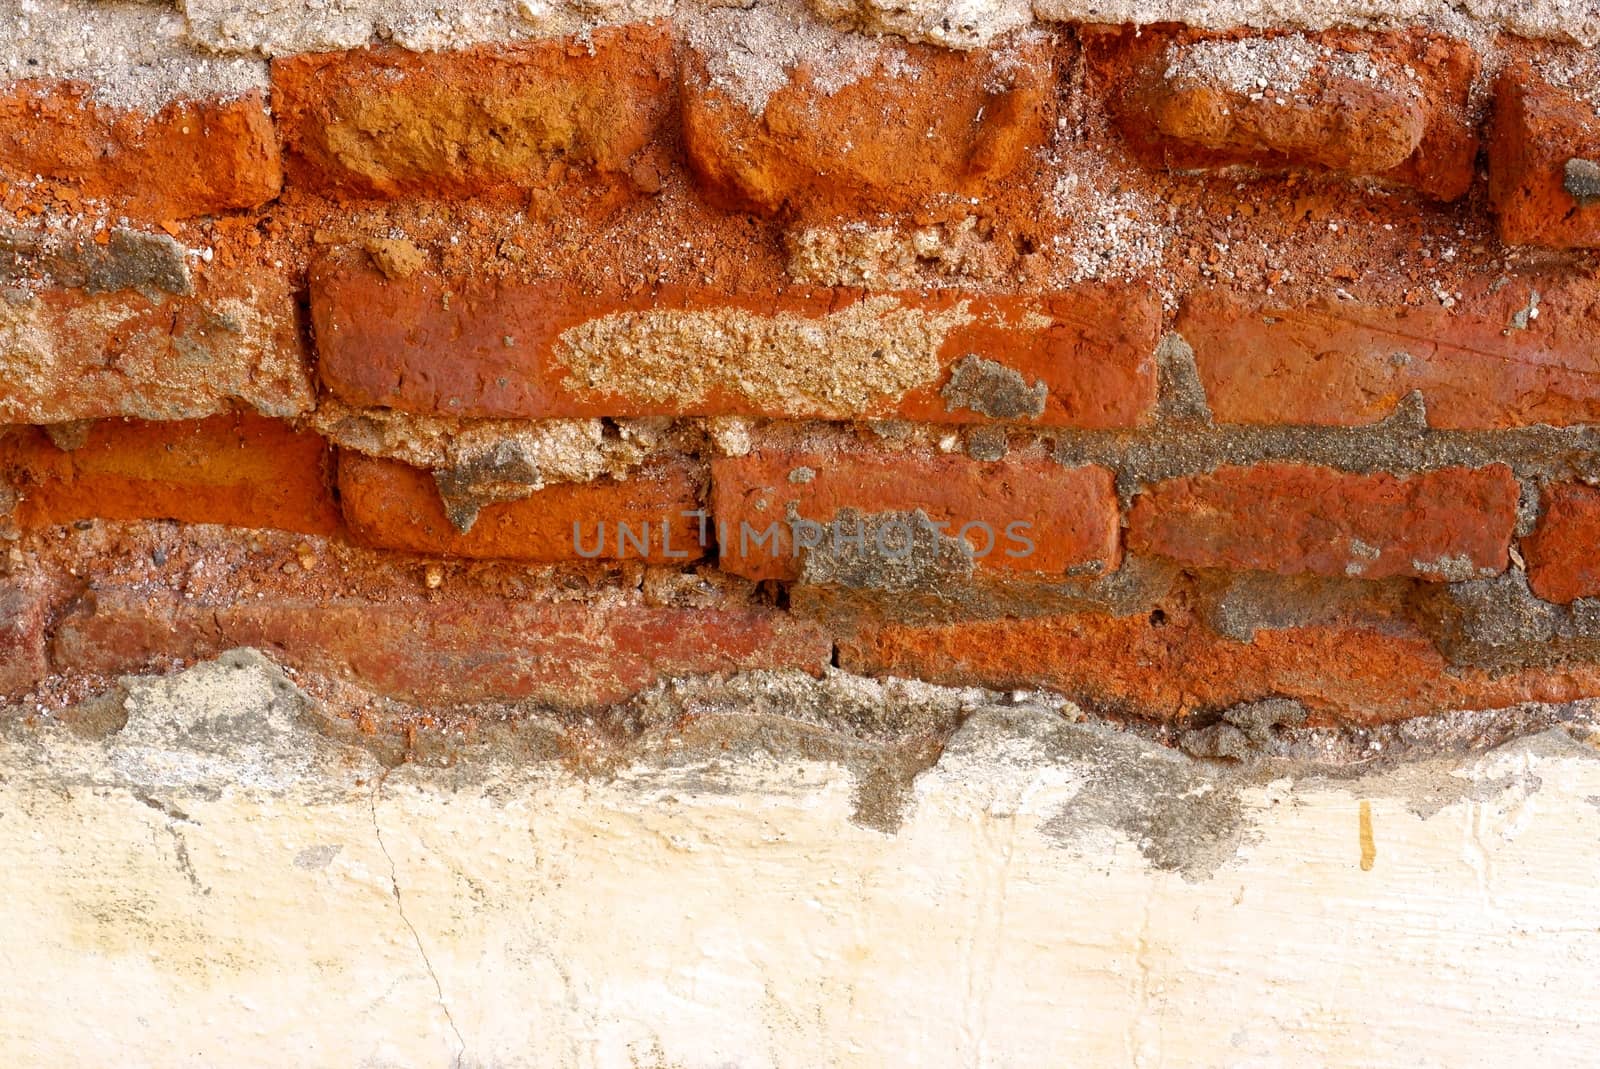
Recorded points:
(727, 911)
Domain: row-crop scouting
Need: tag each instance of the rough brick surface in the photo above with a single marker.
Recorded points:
(1296, 519)
(484, 120)
(190, 158)
(650, 516)
(244, 471)
(66, 354)
(1513, 352)
(1563, 553)
(1392, 106)
(1068, 516)
(1083, 357)
(1166, 666)
(926, 125)
(570, 654)
(1539, 195)
(24, 656)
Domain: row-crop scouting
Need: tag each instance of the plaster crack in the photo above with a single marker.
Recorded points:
(416, 936)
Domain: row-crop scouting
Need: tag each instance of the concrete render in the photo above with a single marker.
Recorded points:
(201, 870)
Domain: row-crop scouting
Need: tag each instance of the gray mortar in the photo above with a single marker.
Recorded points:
(1500, 624)
(507, 473)
(1581, 178)
(129, 259)
(844, 586)
(992, 389)
(1238, 604)
(903, 553)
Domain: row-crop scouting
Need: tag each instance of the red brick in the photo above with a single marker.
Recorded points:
(1071, 513)
(1563, 553)
(571, 654)
(193, 157)
(391, 505)
(1488, 363)
(24, 657)
(68, 355)
(1537, 129)
(1389, 105)
(239, 470)
(1297, 519)
(1169, 666)
(491, 120)
(498, 349)
(935, 123)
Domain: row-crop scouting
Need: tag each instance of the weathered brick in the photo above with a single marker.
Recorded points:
(1296, 519)
(240, 470)
(1544, 162)
(572, 654)
(651, 516)
(24, 653)
(921, 124)
(193, 157)
(1391, 105)
(1081, 358)
(1511, 353)
(68, 354)
(1167, 666)
(1563, 553)
(491, 120)
(1069, 516)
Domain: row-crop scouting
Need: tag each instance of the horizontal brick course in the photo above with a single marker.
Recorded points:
(1083, 357)
(568, 654)
(486, 120)
(1512, 353)
(1167, 666)
(391, 505)
(193, 157)
(1297, 519)
(1069, 515)
(239, 470)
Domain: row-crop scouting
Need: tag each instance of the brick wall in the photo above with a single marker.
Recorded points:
(1168, 369)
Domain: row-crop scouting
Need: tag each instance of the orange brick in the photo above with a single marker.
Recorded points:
(650, 516)
(24, 614)
(239, 470)
(1387, 105)
(193, 157)
(570, 654)
(1067, 517)
(1080, 358)
(1538, 130)
(1171, 666)
(491, 120)
(1563, 553)
(1512, 353)
(934, 123)
(68, 355)
(1299, 519)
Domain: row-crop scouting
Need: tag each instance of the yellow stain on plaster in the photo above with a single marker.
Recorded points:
(1369, 849)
